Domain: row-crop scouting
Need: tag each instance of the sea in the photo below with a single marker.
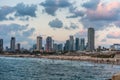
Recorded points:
(12, 68)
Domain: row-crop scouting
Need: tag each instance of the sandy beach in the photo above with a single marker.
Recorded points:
(85, 58)
(115, 61)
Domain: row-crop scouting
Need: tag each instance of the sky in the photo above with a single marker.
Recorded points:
(27, 19)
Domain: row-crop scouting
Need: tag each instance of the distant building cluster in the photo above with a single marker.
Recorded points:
(50, 46)
(13, 46)
(79, 44)
(72, 44)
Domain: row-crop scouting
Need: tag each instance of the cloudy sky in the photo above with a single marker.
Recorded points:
(26, 19)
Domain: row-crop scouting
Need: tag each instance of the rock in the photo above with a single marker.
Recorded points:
(116, 77)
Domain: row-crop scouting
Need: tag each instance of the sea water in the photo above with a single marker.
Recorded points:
(47, 69)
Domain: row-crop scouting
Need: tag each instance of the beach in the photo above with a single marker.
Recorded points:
(115, 61)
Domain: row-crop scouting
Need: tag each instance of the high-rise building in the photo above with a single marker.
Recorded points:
(60, 47)
(49, 44)
(39, 43)
(12, 44)
(1, 45)
(82, 44)
(67, 45)
(7, 49)
(55, 47)
(34, 47)
(72, 46)
(77, 44)
(91, 43)
(18, 47)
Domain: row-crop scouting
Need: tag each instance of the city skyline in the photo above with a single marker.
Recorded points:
(26, 19)
(71, 44)
(74, 44)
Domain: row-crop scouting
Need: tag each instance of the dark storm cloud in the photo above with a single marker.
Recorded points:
(25, 10)
(51, 6)
(6, 30)
(91, 4)
(28, 32)
(12, 27)
(5, 10)
(56, 23)
(10, 18)
(98, 25)
(81, 34)
(73, 26)
(18, 30)
(24, 18)
(20, 10)
(76, 13)
(103, 15)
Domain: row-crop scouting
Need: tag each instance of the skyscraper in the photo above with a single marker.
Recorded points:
(12, 44)
(60, 47)
(55, 47)
(67, 45)
(82, 44)
(39, 43)
(49, 44)
(77, 44)
(1, 45)
(18, 47)
(34, 47)
(91, 43)
(71, 47)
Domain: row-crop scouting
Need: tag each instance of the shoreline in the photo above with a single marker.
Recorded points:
(113, 61)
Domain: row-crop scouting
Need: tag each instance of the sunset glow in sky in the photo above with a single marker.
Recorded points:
(27, 19)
